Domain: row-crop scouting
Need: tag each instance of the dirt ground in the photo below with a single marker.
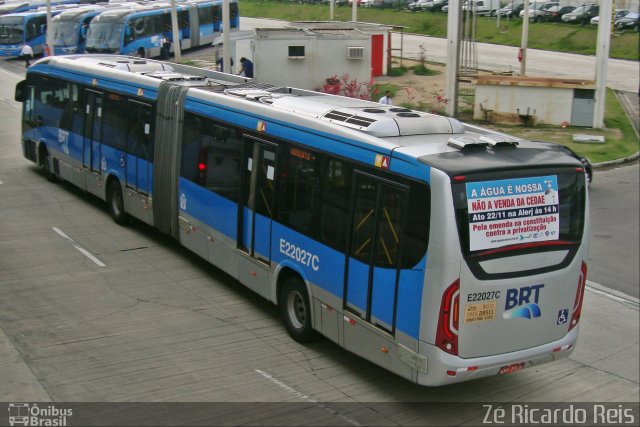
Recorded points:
(415, 89)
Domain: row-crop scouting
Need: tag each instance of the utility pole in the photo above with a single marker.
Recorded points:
(226, 29)
(602, 57)
(331, 6)
(174, 32)
(525, 39)
(49, 35)
(453, 56)
(354, 10)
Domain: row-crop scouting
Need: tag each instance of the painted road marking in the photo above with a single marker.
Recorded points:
(82, 250)
(306, 398)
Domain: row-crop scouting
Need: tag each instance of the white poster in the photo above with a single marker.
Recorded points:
(513, 211)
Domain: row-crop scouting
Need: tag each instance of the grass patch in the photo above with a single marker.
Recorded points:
(397, 71)
(620, 138)
(421, 70)
(553, 36)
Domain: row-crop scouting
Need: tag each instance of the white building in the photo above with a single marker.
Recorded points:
(306, 54)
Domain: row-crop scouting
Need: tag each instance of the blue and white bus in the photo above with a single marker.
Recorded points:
(30, 27)
(140, 31)
(69, 29)
(441, 251)
(23, 6)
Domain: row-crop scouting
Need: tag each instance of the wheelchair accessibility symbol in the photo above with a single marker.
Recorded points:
(562, 316)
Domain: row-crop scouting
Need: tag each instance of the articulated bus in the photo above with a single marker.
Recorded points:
(140, 31)
(30, 27)
(438, 250)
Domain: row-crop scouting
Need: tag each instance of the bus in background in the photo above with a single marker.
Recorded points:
(140, 31)
(17, 6)
(438, 250)
(17, 29)
(69, 28)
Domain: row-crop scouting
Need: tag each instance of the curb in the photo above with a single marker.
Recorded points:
(624, 160)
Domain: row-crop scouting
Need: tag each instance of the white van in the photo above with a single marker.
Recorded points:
(483, 7)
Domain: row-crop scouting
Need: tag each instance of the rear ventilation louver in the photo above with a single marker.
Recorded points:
(466, 143)
(349, 118)
(499, 141)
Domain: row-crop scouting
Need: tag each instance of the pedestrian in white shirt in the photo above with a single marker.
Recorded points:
(386, 99)
(27, 54)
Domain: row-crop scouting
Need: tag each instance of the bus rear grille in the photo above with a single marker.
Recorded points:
(30, 151)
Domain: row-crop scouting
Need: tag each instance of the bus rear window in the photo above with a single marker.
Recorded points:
(501, 213)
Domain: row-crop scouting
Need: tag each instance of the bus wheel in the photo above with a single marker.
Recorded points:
(295, 310)
(115, 201)
(46, 167)
(141, 53)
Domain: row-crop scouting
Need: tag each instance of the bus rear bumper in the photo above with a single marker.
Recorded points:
(444, 368)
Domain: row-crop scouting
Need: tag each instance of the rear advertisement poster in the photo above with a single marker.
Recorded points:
(510, 211)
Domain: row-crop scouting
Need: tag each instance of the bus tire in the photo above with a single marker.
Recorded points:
(296, 310)
(115, 203)
(141, 53)
(46, 166)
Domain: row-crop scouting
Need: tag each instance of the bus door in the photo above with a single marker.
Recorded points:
(139, 146)
(258, 193)
(93, 108)
(378, 215)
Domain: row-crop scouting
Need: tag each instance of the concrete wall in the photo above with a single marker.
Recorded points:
(552, 105)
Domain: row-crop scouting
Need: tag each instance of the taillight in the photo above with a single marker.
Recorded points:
(577, 304)
(448, 320)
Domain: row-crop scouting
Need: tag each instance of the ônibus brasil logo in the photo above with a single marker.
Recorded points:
(25, 414)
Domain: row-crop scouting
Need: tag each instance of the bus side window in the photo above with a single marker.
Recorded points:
(69, 106)
(390, 227)
(217, 16)
(184, 24)
(29, 105)
(416, 230)
(140, 130)
(114, 122)
(335, 202)
(190, 153)
(223, 159)
(364, 215)
(205, 15)
(299, 193)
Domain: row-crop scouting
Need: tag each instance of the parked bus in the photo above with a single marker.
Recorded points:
(441, 251)
(18, 29)
(141, 31)
(70, 27)
(18, 6)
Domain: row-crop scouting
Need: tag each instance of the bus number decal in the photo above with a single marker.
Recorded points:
(300, 255)
(483, 296)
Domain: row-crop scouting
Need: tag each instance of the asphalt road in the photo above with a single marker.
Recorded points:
(615, 245)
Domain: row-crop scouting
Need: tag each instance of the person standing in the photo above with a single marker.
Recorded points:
(27, 54)
(165, 49)
(386, 99)
(247, 67)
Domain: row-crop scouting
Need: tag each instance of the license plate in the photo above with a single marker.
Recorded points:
(510, 369)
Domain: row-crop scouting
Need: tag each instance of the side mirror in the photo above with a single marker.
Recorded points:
(20, 94)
